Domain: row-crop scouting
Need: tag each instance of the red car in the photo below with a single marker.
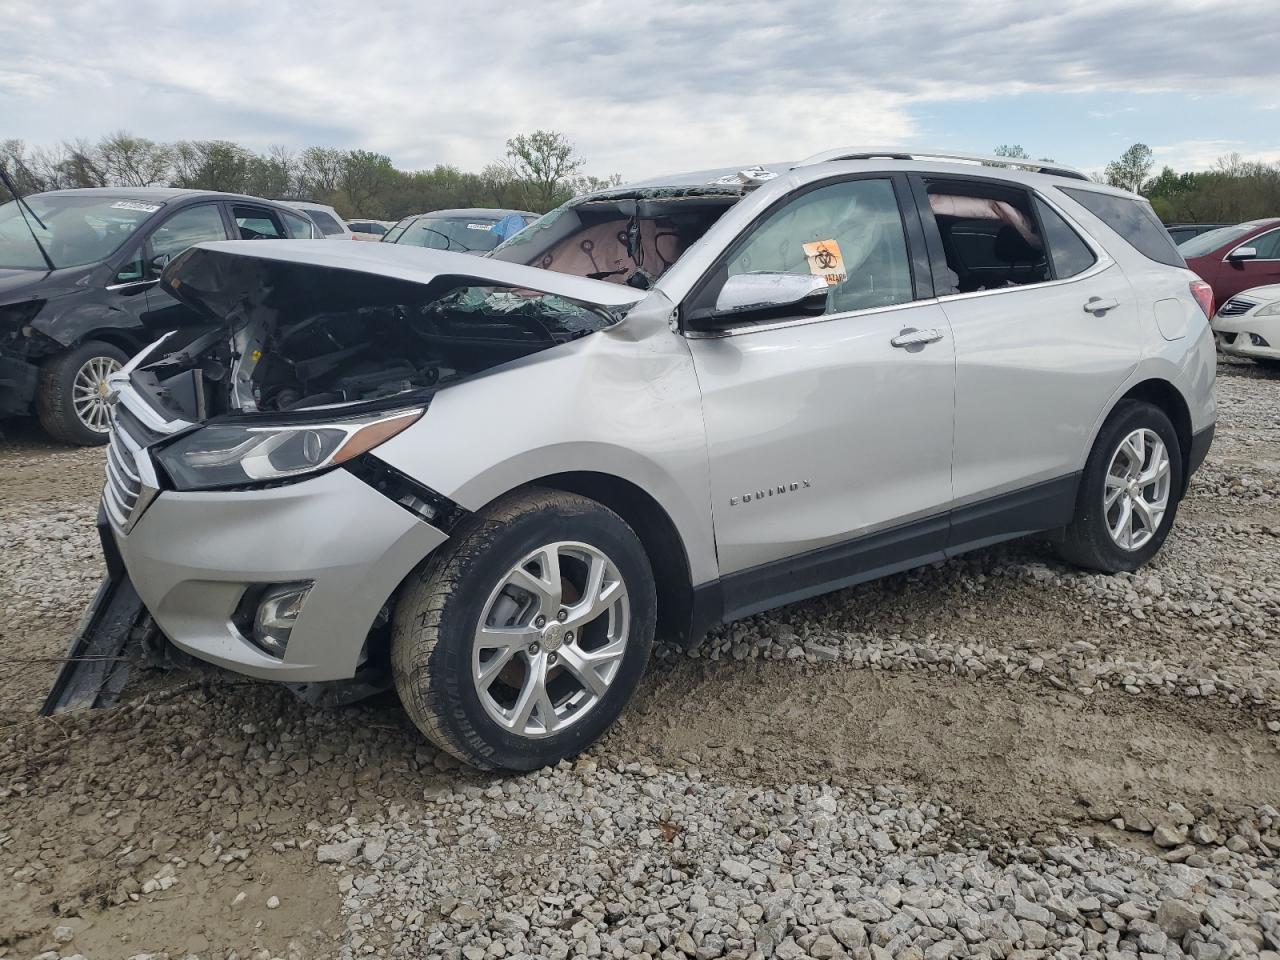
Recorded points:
(1232, 259)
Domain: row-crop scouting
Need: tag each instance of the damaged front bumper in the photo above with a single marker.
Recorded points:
(198, 561)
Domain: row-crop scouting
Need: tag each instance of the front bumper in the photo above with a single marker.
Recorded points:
(18, 378)
(193, 556)
(1236, 336)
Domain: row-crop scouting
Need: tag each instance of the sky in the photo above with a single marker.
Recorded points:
(646, 89)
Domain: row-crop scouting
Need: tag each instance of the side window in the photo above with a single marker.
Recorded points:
(1070, 255)
(297, 226)
(851, 233)
(135, 269)
(328, 226)
(1134, 220)
(1267, 245)
(257, 223)
(989, 236)
(185, 229)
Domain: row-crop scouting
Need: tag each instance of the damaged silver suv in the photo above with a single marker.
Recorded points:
(494, 480)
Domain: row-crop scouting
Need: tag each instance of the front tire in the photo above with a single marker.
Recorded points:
(1129, 492)
(71, 400)
(521, 640)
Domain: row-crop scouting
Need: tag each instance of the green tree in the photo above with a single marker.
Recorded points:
(1130, 172)
(130, 161)
(543, 162)
(1013, 151)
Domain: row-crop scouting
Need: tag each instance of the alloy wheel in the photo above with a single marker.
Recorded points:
(89, 391)
(551, 639)
(1135, 494)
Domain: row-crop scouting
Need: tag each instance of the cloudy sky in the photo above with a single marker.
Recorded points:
(649, 88)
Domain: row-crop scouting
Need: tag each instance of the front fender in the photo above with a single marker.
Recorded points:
(624, 404)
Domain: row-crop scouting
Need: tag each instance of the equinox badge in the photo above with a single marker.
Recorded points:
(778, 491)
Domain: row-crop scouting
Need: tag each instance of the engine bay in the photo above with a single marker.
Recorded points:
(301, 336)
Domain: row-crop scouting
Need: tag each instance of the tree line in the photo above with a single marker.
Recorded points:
(538, 171)
(1233, 191)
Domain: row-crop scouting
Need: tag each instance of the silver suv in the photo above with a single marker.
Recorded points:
(494, 480)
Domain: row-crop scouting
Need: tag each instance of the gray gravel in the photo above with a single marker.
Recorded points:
(235, 824)
(632, 861)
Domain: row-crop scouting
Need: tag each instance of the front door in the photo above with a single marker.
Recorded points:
(1258, 271)
(184, 229)
(824, 429)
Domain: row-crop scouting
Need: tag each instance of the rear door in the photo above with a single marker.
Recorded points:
(1046, 329)
(826, 429)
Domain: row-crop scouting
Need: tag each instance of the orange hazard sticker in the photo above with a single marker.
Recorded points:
(825, 260)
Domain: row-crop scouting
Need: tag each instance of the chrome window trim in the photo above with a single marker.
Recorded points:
(130, 284)
(1102, 261)
(1249, 243)
(804, 321)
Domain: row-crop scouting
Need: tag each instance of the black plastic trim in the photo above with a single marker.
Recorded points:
(1200, 444)
(1031, 510)
(420, 500)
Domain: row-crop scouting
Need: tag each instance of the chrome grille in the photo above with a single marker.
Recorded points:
(1236, 306)
(126, 493)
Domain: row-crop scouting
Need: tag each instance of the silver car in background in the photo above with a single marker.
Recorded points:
(658, 408)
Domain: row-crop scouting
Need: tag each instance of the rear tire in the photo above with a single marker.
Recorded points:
(1113, 482)
(70, 398)
(518, 643)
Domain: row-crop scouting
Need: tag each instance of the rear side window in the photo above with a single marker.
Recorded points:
(328, 226)
(257, 224)
(297, 226)
(1069, 254)
(989, 235)
(1134, 220)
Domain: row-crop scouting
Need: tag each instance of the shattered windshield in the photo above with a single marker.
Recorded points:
(74, 229)
(630, 239)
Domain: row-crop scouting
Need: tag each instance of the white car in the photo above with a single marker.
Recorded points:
(325, 217)
(493, 480)
(1248, 325)
(370, 230)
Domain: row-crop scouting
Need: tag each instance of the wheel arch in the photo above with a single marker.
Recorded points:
(1168, 398)
(658, 535)
(120, 339)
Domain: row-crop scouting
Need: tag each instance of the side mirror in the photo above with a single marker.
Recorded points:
(1243, 253)
(749, 292)
(158, 263)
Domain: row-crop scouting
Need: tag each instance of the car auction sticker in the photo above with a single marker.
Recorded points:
(135, 205)
(825, 260)
(480, 226)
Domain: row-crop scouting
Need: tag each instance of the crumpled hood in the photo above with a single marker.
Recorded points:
(220, 280)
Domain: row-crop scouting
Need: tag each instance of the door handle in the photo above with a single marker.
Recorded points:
(1098, 306)
(910, 337)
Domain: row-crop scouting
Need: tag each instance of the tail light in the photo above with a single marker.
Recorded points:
(1204, 296)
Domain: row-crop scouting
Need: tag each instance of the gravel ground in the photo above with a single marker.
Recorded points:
(997, 756)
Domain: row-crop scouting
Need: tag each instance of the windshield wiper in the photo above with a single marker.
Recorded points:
(448, 239)
(24, 208)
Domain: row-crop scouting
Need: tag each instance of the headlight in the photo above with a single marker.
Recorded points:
(1270, 310)
(229, 455)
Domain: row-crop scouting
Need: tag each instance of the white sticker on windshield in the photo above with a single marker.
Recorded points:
(479, 226)
(135, 205)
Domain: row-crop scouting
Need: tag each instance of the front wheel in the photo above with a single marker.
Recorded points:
(71, 401)
(1129, 492)
(518, 644)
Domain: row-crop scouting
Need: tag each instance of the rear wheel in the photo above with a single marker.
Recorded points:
(520, 642)
(1129, 492)
(71, 401)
